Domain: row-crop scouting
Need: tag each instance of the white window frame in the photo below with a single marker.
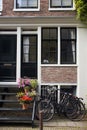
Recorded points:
(1, 5)
(59, 52)
(28, 9)
(55, 9)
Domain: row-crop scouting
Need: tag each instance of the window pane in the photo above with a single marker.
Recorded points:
(56, 2)
(68, 33)
(27, 3)
(68, 89)
(68, 46)
(49, 45)
(66, 2)
(45, 34)
(32, 3)
(61, 3)
(29, 49)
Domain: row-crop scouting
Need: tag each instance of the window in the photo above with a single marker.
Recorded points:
(29, 49)
(29, 56)
(61, 4)
(26, 4)
(68, 89)
(58, 92)
(0, 5)
(58, 48)
(49, 45)
(44, 92)
(68, 45)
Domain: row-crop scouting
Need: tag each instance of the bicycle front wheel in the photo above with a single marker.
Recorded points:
(47, 109)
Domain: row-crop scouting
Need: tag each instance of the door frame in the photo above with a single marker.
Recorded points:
(19, 32)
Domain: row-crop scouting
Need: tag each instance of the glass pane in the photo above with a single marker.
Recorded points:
(23, 3)
(64, 34)
(68, 52)
(68, 33)
(56, 2)
(66, 2)
(53, 33)
(27, 3)
(45, 33)
(49, 45)
(72, 34)
(32, 3)
(68, 89)
(45, 49)
(29, 48)
(7, 48)
(26, 43)
(49, 33)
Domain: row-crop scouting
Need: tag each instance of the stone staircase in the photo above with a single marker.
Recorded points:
(10, 108)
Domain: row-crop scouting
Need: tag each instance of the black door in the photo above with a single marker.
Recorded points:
(29, 56)
(8, 57)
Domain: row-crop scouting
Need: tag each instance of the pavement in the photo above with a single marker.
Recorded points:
(57, 123)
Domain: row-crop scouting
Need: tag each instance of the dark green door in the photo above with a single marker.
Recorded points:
(8, 57)
(29, 56)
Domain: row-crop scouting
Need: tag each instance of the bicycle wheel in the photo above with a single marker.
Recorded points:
(78, 113)
(47, 109)
(71, 110)
(81, 112)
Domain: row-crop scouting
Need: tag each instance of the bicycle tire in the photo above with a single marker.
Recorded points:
(47, 109)
(71, 110)
(79, 113)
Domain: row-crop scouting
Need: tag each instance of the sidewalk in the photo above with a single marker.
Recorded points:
(62, 123)
(57, 123)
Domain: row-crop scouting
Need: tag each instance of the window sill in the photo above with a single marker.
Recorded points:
(60, 9)
(59, 65)
(21, 10)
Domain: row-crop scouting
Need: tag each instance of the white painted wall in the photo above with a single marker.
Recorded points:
(82, 63)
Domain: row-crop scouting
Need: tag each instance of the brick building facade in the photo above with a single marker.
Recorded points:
(43, 39)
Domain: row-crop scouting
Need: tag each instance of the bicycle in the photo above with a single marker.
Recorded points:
(47, 107)
(68, 105)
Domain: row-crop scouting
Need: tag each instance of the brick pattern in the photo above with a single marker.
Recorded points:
(58, 74)
(8, 6)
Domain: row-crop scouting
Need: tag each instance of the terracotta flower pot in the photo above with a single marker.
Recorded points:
(25, 106)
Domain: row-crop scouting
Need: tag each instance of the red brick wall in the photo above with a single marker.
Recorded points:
(8, 6)
(58, 74)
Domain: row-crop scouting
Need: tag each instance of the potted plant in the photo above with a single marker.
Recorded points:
(27, 91)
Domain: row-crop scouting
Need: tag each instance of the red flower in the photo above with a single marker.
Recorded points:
(26, 98)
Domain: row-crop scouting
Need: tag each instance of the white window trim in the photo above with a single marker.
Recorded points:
(58, 48)
(55, 9)
(31, 9)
